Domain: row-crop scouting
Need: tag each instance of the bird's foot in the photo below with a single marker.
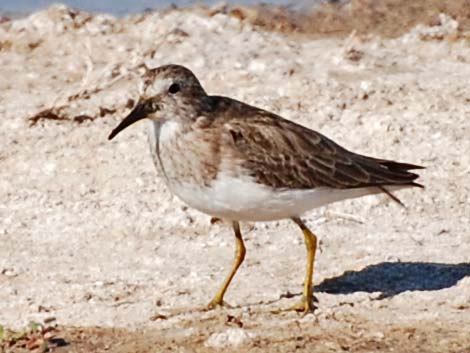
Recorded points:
(304, 306)
(216, 303)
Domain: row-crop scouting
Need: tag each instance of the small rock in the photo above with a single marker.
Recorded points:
(49, 319)
(228, 338)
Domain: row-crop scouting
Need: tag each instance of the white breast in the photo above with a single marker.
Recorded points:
(160, 132)
(153, 134)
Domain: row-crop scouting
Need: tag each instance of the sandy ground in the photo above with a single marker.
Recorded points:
(91, 239)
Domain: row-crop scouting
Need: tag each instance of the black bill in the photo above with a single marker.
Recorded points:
(140, 111)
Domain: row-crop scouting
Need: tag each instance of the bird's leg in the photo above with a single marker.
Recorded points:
(306, 304)
(239, 257)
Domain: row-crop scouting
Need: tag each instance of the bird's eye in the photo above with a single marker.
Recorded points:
(174, 88)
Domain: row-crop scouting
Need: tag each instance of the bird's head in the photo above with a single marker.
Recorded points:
(170, 92)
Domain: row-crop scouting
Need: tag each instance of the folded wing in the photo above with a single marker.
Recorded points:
(282, 154)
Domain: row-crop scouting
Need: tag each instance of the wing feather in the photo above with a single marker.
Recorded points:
(283, 154)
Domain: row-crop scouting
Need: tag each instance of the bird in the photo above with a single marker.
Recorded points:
(240, 163)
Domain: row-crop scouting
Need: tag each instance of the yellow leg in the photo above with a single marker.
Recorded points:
(306, 304)
(239, 257)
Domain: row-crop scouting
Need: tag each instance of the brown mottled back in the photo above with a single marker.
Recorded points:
(282, 154)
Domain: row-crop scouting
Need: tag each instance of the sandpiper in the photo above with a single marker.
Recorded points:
(237, 162)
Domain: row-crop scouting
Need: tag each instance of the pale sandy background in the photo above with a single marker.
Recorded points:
(90, 237)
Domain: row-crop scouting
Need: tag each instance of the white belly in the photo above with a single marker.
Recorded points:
(239, 198)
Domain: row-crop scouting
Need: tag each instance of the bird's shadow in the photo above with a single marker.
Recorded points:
(392, 278)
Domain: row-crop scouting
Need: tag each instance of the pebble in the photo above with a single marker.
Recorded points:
(229, 338)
